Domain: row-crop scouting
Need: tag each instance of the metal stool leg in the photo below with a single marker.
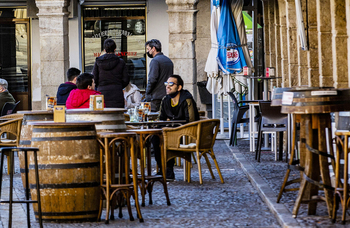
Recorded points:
(27, 185)
(11, 189)
(1, 167)
(38, 188)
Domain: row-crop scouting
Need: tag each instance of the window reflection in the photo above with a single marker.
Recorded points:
(126, 26)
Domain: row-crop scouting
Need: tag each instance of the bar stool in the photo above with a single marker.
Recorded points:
(148, 181)
(11, 151)
(108, 140)
(293, 164)
(341, 192)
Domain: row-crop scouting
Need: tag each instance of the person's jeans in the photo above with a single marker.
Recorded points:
(157, 154)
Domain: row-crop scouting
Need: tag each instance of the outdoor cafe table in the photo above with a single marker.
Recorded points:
(68, 161)
(111, 119)
(159, 123)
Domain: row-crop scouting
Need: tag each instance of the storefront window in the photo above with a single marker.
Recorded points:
(126, 26)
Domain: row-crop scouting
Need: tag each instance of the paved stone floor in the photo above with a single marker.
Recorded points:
(273, 172)
(235, 203)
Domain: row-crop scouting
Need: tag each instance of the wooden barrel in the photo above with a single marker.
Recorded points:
(316, 101)
(68, 170)
(112, 119)
(26, 132)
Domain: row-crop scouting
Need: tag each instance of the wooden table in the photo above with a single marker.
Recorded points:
(68, 170)
(159, 123)
(110, 119)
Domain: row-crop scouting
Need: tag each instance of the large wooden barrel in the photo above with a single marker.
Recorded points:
(68, 170)
(312, 101)
(112, 119)
(26, 132)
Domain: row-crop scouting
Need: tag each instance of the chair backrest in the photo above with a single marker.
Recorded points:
(12, 127)
(8, 108)
(206, 133)
(272, 114)
(234, 100)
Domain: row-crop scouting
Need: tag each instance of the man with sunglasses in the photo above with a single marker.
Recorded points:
(160, 68)
(178, 104)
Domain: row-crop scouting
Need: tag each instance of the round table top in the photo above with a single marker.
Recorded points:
(88, 111)
(35, 112)
(52, 123)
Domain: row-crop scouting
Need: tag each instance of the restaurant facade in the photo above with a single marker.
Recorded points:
(40, 40)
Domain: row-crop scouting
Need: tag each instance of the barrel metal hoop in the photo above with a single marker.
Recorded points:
(65, 185)
(71, 213)
(317, 183)
(64, 166)
(65, 129)
(325, 154)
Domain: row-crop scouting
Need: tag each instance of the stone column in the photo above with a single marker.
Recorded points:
(325, 61)
(347, 8)
(292, 43)
(182, 36)
(54, 57)
(278, 45)
(339, 44)
(312, 54)
(266, 33)
(283, 42)
(271, 19)
(302, 55)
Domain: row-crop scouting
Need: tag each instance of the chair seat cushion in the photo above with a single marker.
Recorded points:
(188, 146)
(8, 141)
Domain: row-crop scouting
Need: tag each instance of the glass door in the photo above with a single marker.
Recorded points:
(15, 60)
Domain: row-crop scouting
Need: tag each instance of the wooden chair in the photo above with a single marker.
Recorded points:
(9, 135)
(203, 133)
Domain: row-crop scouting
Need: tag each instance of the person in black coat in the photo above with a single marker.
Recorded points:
(111, 76)
(65, 88)
(160, 68)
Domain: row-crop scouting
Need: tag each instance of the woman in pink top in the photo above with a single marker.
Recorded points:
(80, 97)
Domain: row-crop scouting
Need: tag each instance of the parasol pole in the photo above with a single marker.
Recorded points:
(229, 116)
(212, 100)
(222, 114)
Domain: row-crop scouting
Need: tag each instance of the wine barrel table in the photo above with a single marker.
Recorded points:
(111, 119)
(26, 133)
(68, 170)
(314, 107)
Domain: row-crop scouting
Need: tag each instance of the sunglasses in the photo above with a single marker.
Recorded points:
(169, 83)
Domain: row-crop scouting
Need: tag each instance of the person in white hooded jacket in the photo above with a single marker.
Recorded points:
(132, 96)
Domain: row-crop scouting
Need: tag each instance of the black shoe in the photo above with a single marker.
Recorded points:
(170, 175)
(159, 173)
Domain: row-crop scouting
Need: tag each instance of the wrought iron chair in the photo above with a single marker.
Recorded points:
(237, 117)
(271, 121)
(8, 108)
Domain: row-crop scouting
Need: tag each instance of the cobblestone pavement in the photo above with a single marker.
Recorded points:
(273, 173)
(235, 203)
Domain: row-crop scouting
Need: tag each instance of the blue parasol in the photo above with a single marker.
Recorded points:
(230, 55)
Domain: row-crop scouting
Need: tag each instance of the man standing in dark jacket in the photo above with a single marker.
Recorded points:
(65, 88)
(111, 76)
(178, 104)
(160, 68)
